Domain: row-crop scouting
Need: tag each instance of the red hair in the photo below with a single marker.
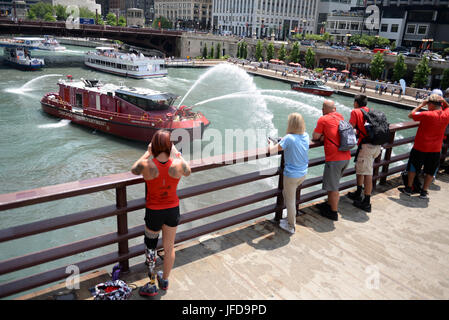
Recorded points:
(161, 143)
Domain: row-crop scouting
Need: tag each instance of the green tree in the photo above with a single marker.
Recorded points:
(60, 12)
(259, 51)
(400, 68)
(294, 54)
(100, 21)
(282, 53)
(41, 9)
(446, 52)
(422, 72)
(31, 15)
(122, 21)
(239, 50)
(310, 58)
(377, 65)
(204, 55)
(270, 51)
(111, 19)
(218, 51)
(86, 13)
(164, 23)
(445, 80)
(211, 55)
(49, 17)
(244, 50)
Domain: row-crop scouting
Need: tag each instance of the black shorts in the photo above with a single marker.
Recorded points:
(154, 219)
(430, 161)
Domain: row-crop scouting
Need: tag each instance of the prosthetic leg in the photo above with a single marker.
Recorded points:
(150, 289)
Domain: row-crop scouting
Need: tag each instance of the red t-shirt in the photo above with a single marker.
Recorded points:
(161, 191)
(430, 134)
(358, 121)
(327, 125)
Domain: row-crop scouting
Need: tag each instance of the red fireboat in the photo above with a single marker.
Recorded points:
(130, 113)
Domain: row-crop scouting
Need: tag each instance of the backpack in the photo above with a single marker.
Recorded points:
(377, 127)
(348, 140)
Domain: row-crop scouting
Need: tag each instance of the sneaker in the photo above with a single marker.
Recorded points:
(148, 290)
(365, 206)
(424, 194)
(407, 190)
(162, 283)
(283, 224)
(355, 196)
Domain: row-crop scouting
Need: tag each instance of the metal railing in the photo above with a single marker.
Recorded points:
(123, 207)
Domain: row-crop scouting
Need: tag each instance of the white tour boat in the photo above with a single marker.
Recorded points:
(131, 65)
(33, 43)
(20, 57)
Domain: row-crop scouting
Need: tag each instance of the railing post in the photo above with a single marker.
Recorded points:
(280, 197)
(122, 225)
(387, 157)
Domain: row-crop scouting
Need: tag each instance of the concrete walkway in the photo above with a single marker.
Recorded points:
(398, 251)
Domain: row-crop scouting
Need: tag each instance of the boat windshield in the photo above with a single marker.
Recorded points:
(313, 83)
(152, 103)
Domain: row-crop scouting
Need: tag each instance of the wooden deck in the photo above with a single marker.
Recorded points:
(398, 251)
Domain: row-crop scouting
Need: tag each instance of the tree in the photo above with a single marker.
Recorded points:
(270, 51)
(122, 21)
(259, 51)
(86, 13)
(294, 54)
(41, 9)
(422, 72)
(310, 58)
(239, 50)
(111, 19)
(205, 51)
(400, 68)
(445, 80)
(244, 50)
(282, 53)
(446, 52)
(377, 65)
(60, 12)
(49, 17)
(217, 51)
(31, 15)
(211, 56)
(164, 23)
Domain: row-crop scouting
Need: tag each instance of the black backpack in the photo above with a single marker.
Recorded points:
(377, 127)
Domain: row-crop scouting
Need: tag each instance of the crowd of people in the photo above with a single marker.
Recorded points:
(162, 167)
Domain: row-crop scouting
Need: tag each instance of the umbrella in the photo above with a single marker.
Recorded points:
(345, 71)
(331, 69)
(274, 60)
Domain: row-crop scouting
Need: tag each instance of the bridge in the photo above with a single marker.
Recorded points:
(162, 40)
(407, 239)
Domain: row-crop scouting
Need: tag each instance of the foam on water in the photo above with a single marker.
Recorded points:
(28, 86)
(61, 123)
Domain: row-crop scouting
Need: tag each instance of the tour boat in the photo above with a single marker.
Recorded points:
(33, 43)
(20, 57)
(127, 112)
(313, 86)
(132, 65)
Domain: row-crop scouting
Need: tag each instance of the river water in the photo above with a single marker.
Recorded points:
(37, 150)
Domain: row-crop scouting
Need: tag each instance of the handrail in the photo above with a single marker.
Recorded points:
(122, 207)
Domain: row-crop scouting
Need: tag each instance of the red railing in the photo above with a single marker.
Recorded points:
(122, 207)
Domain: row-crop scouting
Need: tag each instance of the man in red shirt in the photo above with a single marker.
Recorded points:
(335, 161)
(426, 150)
(364, 159)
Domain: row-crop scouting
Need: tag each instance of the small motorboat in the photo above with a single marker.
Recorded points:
(314, 87)
(19, 57)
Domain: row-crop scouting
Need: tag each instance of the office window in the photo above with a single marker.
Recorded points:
(384, 27)
(422, 30)
(411, 29)
(394, 28)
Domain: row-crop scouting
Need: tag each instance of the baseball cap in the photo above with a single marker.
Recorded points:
(437, 91)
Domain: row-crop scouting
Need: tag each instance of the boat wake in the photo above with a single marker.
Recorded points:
(62, 123)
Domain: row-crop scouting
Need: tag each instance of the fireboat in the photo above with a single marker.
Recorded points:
(130, 113)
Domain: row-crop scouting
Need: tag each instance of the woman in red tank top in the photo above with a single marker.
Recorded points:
(162, 166)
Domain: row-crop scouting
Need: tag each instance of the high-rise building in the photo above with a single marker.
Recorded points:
(264, 18)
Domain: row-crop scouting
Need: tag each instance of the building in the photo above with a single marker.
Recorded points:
(7, 7)
(264, 18)
(91, 5)
(415, 23)
(185, 14)
(327, 7)
(135, 17)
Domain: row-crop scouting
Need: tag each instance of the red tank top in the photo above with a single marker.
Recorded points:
(161, 191)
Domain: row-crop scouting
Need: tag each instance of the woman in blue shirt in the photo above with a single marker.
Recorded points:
(296, 146)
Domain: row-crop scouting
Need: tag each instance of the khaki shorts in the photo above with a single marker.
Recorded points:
(365, 159)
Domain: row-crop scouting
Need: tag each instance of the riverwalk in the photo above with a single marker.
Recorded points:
(398, 251)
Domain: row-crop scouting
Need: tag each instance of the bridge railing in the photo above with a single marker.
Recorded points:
(122, 207)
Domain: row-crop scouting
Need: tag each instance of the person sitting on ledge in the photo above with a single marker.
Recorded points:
(426, 149)
(296, 146)
(335, 161)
